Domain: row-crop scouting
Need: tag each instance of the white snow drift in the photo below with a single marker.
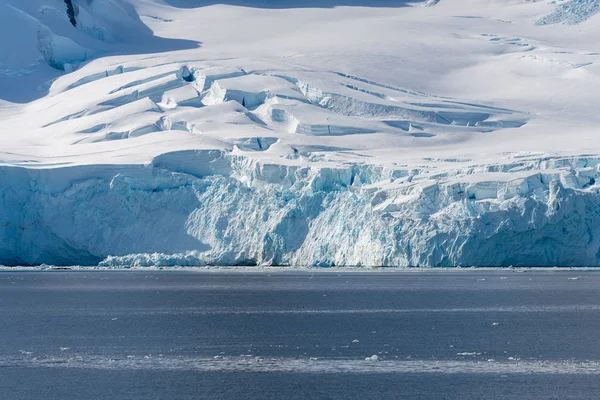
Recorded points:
(437, 133)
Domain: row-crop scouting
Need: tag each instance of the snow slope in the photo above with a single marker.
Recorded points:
(184, 132)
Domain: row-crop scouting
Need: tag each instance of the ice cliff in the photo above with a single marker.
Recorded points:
(209, 207)
(572, 12)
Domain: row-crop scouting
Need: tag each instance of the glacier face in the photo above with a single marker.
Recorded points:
(571, 12)
(241, 212)
(303, 137)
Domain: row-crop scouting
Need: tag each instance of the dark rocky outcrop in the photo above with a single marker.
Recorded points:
(71, 12)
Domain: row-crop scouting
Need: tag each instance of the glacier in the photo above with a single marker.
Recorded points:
(214, 208)
(301, 135)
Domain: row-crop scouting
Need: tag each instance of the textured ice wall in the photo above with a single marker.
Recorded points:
(209, 207)
(572, 12)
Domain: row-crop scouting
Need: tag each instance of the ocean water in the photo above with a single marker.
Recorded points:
(231, 334)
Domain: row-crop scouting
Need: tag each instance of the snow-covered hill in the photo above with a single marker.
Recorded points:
(184, 132)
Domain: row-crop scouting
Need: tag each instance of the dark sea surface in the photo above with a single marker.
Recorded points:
(230, 334)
